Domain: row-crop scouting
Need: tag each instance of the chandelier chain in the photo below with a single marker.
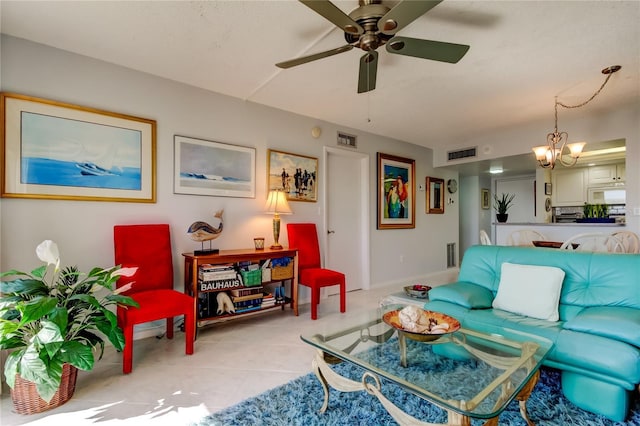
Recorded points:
(588, 100)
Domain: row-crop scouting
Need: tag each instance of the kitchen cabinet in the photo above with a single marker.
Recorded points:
(607, 174)
(569, 187)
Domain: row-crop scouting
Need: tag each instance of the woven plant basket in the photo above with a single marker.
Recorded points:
(26, 399)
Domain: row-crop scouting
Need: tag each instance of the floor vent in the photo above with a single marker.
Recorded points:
(462, 153)
(451, 255)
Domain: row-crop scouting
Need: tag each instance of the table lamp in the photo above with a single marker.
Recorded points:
(277, 204)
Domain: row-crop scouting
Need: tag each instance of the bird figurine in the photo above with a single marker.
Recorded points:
(202, 231)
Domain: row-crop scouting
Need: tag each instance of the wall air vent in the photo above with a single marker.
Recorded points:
(345, 139)
(451, 255)
(462, 153)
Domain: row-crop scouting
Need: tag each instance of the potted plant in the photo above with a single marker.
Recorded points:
(54, 320)
(595, 213)
(501, 205)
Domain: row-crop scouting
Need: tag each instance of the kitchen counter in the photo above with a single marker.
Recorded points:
(554, 231)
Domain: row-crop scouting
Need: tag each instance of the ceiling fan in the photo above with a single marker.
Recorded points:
(372, 25)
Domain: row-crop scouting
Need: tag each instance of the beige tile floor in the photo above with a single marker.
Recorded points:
(232, 361)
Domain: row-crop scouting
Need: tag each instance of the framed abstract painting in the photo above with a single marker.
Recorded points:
(396, 192)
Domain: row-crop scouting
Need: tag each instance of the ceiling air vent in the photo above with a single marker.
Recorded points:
(462, 153)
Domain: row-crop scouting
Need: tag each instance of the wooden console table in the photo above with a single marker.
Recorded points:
(192, 263)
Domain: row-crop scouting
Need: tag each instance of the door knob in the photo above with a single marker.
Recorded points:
(331, 232)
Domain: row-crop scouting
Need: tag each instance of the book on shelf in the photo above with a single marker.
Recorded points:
(245, 291)
(214, 285)
(247, 304)
(254, 296)
(209, 272)
(248, 309)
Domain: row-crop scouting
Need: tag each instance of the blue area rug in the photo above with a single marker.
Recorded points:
(298, 402)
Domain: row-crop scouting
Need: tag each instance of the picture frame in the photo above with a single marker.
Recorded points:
(204, 167)
(484, 199)
(294, 174)
(396, 192)
(57, 150)
(547, 188)
(435, 195)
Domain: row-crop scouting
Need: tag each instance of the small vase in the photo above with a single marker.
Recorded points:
(502, 217)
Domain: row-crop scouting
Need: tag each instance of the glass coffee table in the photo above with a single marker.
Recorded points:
(469, 374)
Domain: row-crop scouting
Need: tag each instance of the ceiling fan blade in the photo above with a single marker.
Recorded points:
(334, 15)
(427, 49)
(403, 14)
(368, 72)
(304, 59)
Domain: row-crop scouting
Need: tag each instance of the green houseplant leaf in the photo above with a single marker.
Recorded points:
(54, 316)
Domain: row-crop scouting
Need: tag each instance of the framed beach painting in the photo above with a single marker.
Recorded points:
(396, 192)
(296, 175)
(203, 167)
(55, 150)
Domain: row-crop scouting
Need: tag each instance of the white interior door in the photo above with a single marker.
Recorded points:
(346, 217)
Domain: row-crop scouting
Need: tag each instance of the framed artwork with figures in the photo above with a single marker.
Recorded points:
(396, 192)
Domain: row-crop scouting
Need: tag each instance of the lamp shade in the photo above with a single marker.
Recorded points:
(277, 203)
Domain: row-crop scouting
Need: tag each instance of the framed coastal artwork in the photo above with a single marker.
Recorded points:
(203, 167)
(55, 150)
(294, 174)
(396, 192)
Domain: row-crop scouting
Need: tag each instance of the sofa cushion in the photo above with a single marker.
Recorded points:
(530, 290)
(599, 354)
(617, 322)
(461, 293)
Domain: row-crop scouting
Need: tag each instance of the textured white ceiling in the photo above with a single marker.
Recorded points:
(523, 53)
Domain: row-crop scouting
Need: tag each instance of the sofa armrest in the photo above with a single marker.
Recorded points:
(466, 294)
(616, 322)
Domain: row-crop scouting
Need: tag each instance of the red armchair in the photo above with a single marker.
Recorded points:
(304, 237)
(148, 247)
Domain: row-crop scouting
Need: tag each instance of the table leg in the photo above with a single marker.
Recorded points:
(524, 395)
(402, 342)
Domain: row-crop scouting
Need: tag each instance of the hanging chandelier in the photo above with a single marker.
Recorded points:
(554, 151)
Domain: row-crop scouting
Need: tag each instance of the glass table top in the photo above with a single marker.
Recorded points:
(470, 372)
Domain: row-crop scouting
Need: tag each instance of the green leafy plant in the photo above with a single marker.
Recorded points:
(502, 204)
(50, 317)
(597, 211)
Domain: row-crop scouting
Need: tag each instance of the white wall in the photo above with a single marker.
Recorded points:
(83, 230)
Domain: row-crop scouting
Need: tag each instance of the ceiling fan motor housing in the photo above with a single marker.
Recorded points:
(368, 15)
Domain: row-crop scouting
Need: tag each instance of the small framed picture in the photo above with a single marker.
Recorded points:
(547, 189)
(484, 198)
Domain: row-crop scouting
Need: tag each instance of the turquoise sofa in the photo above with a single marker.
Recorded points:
(597, 338)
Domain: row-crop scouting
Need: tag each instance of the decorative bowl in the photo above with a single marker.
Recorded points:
(418, 291)
(392, 319)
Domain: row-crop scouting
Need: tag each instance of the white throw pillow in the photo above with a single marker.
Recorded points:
(530, 290)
